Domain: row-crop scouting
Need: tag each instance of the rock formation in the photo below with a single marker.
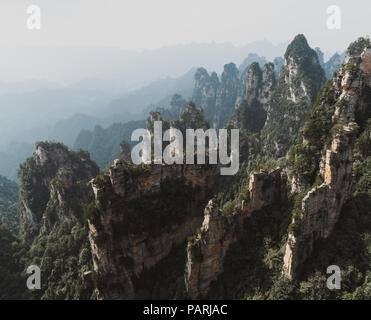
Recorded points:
(141, 213)
(301, 78)
(251, 113)
(321, 206)
(50, 182)
(259, 85)
(206, 251)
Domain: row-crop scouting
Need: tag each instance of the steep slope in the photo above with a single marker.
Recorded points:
(54, 198)
(206, 252)
(323, 153)
(220, 97)
(12, 282)
(251, 114)
(217, 97)
(51, 182)
(328, 143)
(141, 214)
(300, 79)
(8, 204)
(205, 91)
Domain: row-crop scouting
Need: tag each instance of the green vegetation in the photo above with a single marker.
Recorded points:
(254, 264)
(357, 47)
(304, 158)
(12, 262)
(56, 190)
(58, 195)
(8, 204)
(153, 212)
(349, 246)
(64, 256)
(290, 101)
(190, 118)
(250, 117)
(165, 281)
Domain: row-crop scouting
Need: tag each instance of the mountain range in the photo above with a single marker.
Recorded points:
(299, 203)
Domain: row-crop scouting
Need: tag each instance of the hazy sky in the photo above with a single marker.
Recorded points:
(149, 24)
(138, 25)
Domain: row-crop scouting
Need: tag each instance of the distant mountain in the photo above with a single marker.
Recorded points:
(114, 70)
(300, 80)
(220, 96)
(333, 64)
(157, 93)
(252, 57)
(103, 144)
(24, 112)
(26, 86)
(11, 155)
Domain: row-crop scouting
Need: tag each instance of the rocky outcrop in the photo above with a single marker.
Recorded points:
(205, 91)
(226, 95)
(207, 250)
(321, 206)
(251, 113)
(219, 97)
(268, 84)
(259, 84)
(50, 182)
(141, 213)
(301, 78)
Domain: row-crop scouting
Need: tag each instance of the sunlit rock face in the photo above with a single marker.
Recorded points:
(322, 205)
(300, 80)
(207, 250)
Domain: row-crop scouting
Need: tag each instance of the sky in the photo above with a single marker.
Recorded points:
(150, 24)
(138, 25)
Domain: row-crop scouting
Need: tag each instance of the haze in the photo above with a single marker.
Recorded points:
(89, 34)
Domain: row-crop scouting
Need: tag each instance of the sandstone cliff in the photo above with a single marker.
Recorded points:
(206, 252)
(52, 183)
(300, 80)
(321, 206)
(141, 214)
(251, 113)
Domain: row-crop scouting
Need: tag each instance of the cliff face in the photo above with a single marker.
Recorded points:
(141, 214)
(251, 113)
(218, 97)
(52, 183)
(206, 252)
(205, 91)
(226, 95)
(301, 78)
(260, 84)
(321, 206)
